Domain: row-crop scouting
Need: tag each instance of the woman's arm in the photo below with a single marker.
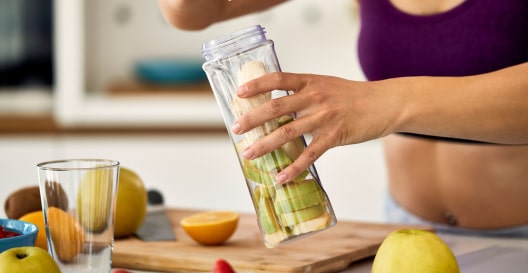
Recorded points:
(491, 107)
(199, 14)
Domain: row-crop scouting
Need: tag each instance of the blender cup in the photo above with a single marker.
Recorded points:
(288, 211)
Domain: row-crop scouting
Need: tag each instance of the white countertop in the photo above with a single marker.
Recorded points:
(463, 247)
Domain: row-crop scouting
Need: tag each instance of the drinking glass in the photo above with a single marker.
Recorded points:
(78, 200)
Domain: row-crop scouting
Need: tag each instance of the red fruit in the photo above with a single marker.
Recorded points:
(222, 266)
(4, 233)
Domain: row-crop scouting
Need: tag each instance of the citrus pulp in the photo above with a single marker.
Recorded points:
(210, 227)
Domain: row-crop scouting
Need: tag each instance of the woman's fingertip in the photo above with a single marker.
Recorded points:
(282, 177)
(248, 153)
(235, 127)
(242, 90)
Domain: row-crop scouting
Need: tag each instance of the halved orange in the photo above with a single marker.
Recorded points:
(210, 227)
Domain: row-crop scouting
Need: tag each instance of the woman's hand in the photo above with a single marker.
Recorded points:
(335, 111)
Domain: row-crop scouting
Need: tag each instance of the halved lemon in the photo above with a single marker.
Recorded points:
(210, 227)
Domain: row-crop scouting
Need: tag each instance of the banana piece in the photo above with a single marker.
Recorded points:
(240, 106)
(250, 71)
(241, 146)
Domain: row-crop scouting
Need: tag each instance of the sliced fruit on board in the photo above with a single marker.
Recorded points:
(210, 227)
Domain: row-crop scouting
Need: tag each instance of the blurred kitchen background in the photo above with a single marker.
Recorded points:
(111, 79)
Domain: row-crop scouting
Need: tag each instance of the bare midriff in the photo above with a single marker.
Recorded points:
(428, 7)
(479, 186)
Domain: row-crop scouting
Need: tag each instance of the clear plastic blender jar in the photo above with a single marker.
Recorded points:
(286, 211)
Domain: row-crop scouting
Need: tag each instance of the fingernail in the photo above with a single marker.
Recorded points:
(282, 177)
(236, 127)
(242, 91)
(248, 153)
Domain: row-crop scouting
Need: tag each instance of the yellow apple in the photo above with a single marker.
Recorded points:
(414, 251)
(131, 207)
(27, 259)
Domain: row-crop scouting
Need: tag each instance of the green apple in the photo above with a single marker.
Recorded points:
(27, 259)
(414, 251)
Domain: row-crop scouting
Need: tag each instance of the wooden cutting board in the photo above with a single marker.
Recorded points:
(331, 250)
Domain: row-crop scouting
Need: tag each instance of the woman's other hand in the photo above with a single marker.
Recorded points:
(200, 14)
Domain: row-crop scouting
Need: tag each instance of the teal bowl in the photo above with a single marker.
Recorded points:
(27, 234)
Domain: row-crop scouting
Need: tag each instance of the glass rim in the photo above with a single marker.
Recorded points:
(212, 48)
(103, 163)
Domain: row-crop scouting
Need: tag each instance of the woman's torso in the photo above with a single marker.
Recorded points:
(471, 185)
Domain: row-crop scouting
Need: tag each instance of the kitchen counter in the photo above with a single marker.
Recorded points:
(467, 247)
(475, 254)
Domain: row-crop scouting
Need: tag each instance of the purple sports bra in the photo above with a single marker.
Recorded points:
(475, 37)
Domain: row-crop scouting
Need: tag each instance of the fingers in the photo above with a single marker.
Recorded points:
(271, 109)
(303, 162)
(275, 108)
(273, 140)
(281, 135)
(267, 144)
(269, 82)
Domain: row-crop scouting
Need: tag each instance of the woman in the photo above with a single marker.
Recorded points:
(453, 69)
